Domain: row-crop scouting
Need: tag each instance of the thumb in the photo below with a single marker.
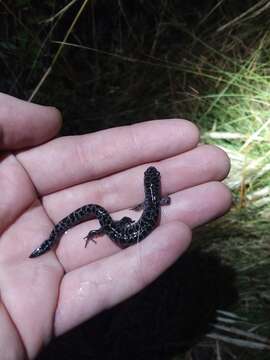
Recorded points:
(24, 124)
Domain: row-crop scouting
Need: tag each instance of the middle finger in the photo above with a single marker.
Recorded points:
(125, 189)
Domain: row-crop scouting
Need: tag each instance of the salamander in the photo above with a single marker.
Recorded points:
(124, 232)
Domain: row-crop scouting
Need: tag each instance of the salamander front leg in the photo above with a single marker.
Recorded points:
(165, 200)
(124, 222)
(92, 234)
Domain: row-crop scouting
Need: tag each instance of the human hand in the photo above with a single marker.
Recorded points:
(49, 295)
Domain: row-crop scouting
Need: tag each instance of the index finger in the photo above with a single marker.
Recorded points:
(71, 160)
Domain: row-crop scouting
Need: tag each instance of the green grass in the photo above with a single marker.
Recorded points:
(232, 106)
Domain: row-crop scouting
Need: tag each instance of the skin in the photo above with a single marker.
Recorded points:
(40, 184)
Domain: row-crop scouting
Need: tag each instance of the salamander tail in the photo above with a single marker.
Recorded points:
(44, 247)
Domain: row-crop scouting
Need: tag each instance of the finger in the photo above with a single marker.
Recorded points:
(10, 342)
(125, 189)
(89, 290)
(71, 160)
(24, 124)
(17, 192)
(199, 205)
(194, 207)
(24, 284)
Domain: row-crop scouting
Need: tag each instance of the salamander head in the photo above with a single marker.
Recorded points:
(151, 172)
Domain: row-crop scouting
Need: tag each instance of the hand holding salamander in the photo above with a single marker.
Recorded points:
(52, 294)
(124, 232)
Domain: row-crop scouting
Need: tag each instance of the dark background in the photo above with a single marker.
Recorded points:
(129, 78)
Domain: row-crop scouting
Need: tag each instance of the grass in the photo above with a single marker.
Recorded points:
(111, 64)
(235, 115)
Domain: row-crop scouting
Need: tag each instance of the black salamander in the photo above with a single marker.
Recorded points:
(124, 232)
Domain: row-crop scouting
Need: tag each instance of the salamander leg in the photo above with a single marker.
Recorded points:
(124, 222)
(165, 200)
(92, 234)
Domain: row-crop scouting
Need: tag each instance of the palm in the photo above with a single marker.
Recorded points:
(51, 294)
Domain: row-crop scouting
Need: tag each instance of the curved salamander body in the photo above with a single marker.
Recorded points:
(124, 232)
